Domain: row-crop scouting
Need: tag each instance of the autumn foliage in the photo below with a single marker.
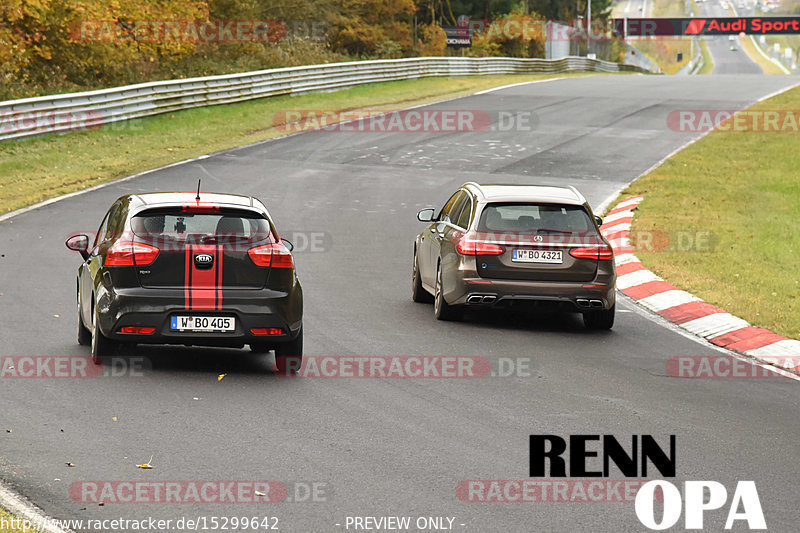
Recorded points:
(52, 46)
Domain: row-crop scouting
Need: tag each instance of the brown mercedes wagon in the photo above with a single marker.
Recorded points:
(515, 246)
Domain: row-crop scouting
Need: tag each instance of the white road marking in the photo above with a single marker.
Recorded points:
(627, 281)
(630, 202)
(665, 300)
(626, 300)
(493, 89)
(619, 242)
(786, 347)
(22, 508)
(617, 216)
(624, 226)
(621, 259)
(714, 325)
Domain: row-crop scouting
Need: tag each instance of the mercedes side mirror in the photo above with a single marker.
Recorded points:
(288, 244)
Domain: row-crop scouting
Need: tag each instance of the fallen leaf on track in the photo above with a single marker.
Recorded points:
(147, 465)
(219, 378)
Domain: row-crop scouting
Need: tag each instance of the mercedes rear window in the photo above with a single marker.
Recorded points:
(525, 217)
(212, 226)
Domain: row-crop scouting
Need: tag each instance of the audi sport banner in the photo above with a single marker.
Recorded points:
(655, 27)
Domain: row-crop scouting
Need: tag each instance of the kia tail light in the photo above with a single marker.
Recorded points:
(275, 255)
(127, 253)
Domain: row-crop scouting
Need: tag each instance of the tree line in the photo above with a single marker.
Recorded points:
(51, 46)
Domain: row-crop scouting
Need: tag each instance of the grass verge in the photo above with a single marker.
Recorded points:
(708, 60)
(766, 65)
(784, 41)
(664, 51)
(32, 170)
(6, 519)
(737, 192)
(749, 48)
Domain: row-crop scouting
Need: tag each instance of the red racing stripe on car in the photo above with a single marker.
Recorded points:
(218, 262)
(203, 281)
(187, 279)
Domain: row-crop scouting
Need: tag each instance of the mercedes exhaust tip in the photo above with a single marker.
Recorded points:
(476, 299)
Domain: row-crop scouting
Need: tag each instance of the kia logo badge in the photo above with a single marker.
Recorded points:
(203, 260)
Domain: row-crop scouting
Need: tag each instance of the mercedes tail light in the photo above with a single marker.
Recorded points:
(592, 252)
(471, 244)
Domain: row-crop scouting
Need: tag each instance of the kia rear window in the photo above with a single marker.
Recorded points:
(201, 227)
(525, 217)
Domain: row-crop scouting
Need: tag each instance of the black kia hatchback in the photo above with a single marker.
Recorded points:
(192, 269)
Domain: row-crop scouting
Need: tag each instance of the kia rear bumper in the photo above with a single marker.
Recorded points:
(263, 310)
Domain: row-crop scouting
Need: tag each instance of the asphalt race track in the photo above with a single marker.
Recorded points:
(726, 61)
(392, 446)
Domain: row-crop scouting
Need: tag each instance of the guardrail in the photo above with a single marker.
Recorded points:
(696, 63)
(80, 111)
(635, 57)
